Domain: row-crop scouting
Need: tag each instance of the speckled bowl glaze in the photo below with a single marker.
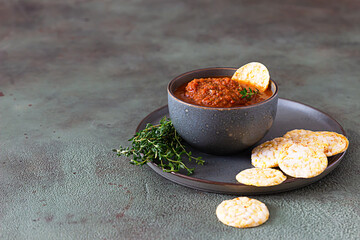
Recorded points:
(220, 131)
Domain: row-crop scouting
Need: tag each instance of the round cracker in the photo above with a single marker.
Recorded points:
(242, 212)
(266, 155)
(296, 133)
(253, 74)
(308, 138)
(301, 161)
(312, 139)
(260, 177)
(337, 143)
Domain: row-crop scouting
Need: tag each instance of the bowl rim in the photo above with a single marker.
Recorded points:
(217, 108)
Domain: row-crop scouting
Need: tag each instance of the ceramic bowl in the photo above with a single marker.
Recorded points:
(220, 131)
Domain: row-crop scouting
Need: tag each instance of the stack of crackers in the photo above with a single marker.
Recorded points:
(299, 153)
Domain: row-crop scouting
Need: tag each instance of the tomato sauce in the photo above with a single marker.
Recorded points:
(222, 92)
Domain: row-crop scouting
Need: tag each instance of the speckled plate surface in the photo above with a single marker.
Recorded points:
(218, 173)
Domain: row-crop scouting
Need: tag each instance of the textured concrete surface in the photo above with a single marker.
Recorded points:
(77, 76)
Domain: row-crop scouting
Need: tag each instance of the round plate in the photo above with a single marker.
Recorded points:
(218, 173)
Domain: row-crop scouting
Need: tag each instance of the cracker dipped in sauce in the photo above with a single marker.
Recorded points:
(254, 74)
(249, 85)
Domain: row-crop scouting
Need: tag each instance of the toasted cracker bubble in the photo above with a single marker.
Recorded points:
(242, 212)
(266, 155)
(260, 177)
(254, 74)
(302, 161)
(337, 143)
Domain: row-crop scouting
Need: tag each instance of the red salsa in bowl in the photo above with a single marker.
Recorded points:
(216, 114)
(220, 92)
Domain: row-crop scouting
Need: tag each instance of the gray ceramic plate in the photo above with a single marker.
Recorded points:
(218, 174)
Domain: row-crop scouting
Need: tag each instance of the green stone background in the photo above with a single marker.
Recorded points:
(77, 76)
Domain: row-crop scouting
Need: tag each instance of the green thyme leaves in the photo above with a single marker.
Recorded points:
(160, 144)
(248, 94)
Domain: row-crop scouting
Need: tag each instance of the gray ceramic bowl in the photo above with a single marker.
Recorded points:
(220, 131)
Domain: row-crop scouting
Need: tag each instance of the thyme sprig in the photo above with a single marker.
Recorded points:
(248, 94)
(160, 144)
